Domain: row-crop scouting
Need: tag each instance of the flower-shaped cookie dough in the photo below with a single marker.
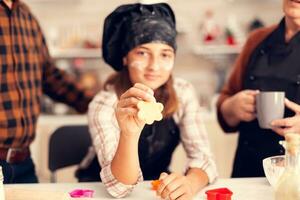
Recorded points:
(150, 111)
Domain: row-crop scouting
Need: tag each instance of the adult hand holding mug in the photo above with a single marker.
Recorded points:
(289, 124)
(240, 107)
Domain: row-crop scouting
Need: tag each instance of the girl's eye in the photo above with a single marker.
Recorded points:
(141, 53)
(166, 55)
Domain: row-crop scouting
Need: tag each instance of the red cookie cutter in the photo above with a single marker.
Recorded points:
(219, 194)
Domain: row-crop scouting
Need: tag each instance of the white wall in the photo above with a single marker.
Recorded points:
(66, 14)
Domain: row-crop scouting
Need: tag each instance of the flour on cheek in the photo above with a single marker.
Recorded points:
(140, 65)
(168, 65)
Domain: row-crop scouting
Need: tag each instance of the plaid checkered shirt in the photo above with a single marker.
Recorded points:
(26, 72)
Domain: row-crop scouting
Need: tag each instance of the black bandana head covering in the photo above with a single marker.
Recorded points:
(134, 24)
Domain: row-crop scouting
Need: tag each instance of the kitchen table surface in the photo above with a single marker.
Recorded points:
(242, 188)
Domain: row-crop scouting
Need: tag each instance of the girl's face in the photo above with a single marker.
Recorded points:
(291, 8)
(150, 64)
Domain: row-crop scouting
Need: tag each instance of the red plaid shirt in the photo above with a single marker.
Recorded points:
(26, 72)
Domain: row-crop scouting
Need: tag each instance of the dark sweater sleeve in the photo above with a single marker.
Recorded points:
(234, 83)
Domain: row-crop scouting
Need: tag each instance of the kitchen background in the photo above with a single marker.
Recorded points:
(211, 34)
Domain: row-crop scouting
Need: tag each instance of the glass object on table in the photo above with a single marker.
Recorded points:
(2, 196)
(288, 186)
(273, 168)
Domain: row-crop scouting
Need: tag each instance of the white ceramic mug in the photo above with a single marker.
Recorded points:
(269, 106)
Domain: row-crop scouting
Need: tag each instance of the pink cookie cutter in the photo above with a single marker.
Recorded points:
(79, 193)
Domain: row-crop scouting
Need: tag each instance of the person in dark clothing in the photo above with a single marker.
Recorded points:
(269, 61)
(139, 42)
(27, 72)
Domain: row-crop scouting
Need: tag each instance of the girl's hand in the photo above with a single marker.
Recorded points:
(175, 186)
(126, 110)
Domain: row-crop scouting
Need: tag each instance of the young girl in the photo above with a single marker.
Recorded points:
(139, 43)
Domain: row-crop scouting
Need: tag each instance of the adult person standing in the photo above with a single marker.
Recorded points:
(269, 61)
(27, 71)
